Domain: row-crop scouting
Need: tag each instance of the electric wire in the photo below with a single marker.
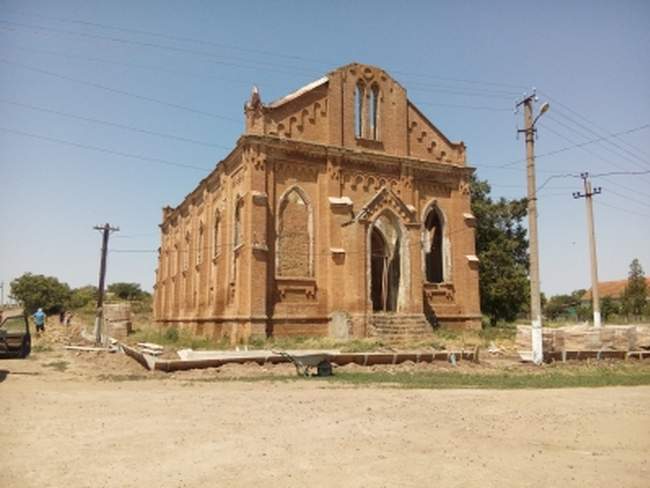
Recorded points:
(255, 51)
(632, 212)
(105, 150)
(586, 149)
(575, 112)
(115, 124)
(118, 91)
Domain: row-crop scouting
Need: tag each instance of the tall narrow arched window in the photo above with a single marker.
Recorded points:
(186, 251)
(374, 112)
(359, 112)
(200, 244)
(215, 234)
(238, 222)
(433, 246)
(294, 235)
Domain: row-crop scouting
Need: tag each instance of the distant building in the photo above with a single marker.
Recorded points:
(611, 289)
(341, 211)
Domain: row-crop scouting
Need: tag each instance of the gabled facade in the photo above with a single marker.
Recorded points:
(340, 204)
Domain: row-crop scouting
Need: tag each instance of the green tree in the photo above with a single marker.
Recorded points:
(502, 248)
(635, 295)
(564, 306)
(80, 297)
(608, 308)
(39, 291)
(126, 291)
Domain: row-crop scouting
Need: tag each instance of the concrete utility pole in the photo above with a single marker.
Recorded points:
(592, 242)
(535, 298)
(106, 229)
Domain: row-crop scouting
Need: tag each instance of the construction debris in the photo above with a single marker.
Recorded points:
(213, 359)
(583, 341)
(91, 349)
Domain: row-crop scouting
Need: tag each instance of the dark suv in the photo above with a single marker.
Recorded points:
(15, 339)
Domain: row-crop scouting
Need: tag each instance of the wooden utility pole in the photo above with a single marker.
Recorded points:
(592, 242)
(106, 230)
(535, 297)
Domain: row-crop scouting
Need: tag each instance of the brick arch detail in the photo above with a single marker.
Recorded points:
(290, 252)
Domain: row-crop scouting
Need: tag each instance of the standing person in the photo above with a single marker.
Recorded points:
(62, 317)
(39, 320)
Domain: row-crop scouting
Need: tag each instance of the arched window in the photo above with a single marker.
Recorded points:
(294, 241)
(186, 252)
(433, 245)
(215, 236)
(200, 245)
(239, 206)
(374, 112)
(359, 109)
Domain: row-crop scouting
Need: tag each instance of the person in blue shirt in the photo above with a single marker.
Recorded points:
(39, 320)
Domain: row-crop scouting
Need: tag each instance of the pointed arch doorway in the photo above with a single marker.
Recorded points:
(385, 265)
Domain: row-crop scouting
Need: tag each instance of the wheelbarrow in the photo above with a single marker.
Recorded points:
(304, 362)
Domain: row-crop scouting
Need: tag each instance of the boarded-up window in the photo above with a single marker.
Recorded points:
(294, 236)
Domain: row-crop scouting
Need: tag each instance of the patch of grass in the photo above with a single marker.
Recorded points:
(549, 376)
(173, 338)
(500, 332)
(58, 365)
(504, 380)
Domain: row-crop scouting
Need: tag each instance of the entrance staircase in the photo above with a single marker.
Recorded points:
(396, 328)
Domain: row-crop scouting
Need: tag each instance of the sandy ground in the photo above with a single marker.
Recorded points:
(77, 428)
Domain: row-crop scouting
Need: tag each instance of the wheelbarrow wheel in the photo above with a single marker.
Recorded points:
(324, 368)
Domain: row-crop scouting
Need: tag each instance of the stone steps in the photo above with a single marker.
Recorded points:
(398, 327)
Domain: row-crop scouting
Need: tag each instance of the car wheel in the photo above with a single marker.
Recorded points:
(26, 347)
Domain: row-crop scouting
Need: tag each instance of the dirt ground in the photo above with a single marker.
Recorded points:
(99, 420)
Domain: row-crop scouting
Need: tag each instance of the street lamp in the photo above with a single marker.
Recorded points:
(535, 299)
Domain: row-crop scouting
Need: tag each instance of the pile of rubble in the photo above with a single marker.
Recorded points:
(582, 341)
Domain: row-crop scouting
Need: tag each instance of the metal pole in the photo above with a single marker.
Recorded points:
(535, 299)
(99, 316)
(589, 192)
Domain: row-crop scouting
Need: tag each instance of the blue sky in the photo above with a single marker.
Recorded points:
(186, 68)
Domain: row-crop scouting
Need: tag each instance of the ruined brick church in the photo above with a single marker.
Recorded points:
(341, 211)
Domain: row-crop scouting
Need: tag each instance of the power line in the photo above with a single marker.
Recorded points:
(256, 51)
(579, 145)
(204, 54)
(566, 107)
(184, 73)
(472, 107)
(121, 92)
(627, 197)
(104, 150)
(191, 74)
(586, 149)
(219, 60)
(617, 173)
(635, 159)
(424, 87)
(623, 209)
(114, 124)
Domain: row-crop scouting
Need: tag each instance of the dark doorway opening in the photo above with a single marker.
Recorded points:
(385, 272)
(434, 243)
